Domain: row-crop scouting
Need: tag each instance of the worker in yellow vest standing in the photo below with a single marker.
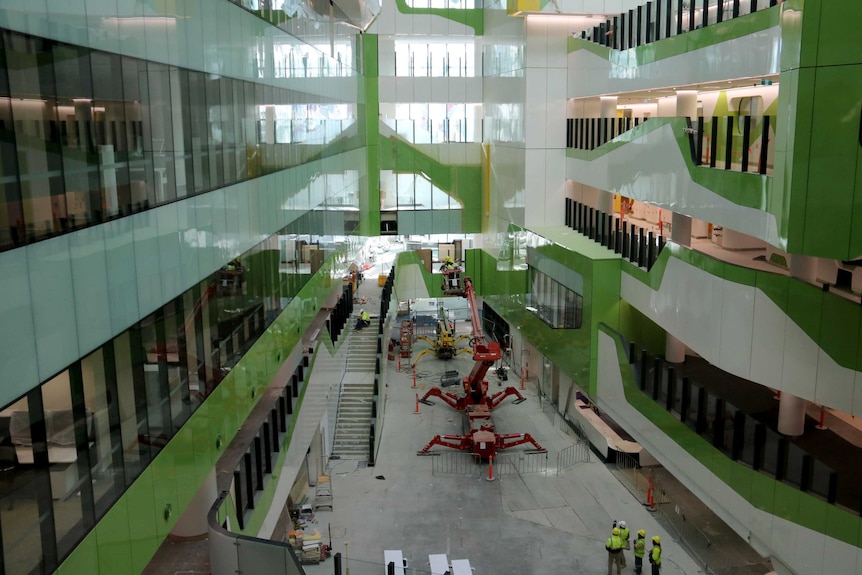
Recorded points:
(614, 546)
(624, 535)
(655, 555)
(640, 551)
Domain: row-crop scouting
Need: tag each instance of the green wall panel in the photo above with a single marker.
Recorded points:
(165, 486)
(114, 541)
(786, 501)
(85, 559)
(832, 161)
(841, 525)
(842, 344)
(143, 523)
(812, 513)
(838, 40)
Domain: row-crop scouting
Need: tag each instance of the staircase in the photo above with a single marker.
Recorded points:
(354, 406)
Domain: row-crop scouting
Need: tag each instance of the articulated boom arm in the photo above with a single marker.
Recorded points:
(484, 354)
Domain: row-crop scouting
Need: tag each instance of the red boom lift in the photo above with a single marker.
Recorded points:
(476, 404)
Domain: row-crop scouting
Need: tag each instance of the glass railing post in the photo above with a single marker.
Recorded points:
(643, 374)
(718, 424)
(781, 459)
(728, 143)
(639, 26)
(691, 15)
(591, 232)
(759, 444)
(807, 473)
(735, 13)
(713, 144)
(633, 246)
(704, 16)
(650, 258)
(642, 248)
(622, 32)
(700, 426)
(625, 241)
(658, 368)
(738, 435)
(631, 28)
(832, 494)
(617, 239)
(764, 145)
(649, 33)
(746, 141)
(719, 11)
(685, 400)
(679, 16)
(615, 33)
(671, 388)
(699, 153)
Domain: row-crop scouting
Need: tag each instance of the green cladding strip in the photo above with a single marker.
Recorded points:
(461, 182)
(472, 17)
(761, 491)
(369, 112)
(831, 321)
(683, 43)
(127, 536)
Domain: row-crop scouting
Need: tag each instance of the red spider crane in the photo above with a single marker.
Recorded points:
(475, 401)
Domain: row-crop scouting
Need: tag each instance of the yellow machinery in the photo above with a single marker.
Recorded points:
(445, 343)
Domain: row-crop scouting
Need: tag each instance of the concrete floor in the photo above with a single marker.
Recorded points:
(531, 523)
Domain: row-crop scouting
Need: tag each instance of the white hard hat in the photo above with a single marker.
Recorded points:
(622, 524)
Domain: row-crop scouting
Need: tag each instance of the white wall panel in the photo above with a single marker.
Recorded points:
(736, 328)
(834, 383)
(800, 362)
(767, 350)
(652, 169)
(752, 55)
(740, 330)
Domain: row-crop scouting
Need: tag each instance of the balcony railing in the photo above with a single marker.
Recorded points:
(660, 19)
(590, 133)
(742, 437)
(738, 143)
(634, 243)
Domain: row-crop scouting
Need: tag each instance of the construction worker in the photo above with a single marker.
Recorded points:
(450, 271)
(614, 546)
(640, 550)
(363, 321)
(624, 535)
(655, 555)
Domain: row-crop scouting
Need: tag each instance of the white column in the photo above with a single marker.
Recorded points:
(674, 349)
(193, 521)
(791, 414)
(686, 103)
(680, 231)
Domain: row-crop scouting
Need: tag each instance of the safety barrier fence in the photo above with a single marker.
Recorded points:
(504, 464)
(659, 19)
(570, 456)
(634, 243)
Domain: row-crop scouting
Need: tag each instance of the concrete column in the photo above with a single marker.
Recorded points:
(791, 414)
(803, 267)
(680, 231)
(193, 522)
(686, 103)
(674, 349)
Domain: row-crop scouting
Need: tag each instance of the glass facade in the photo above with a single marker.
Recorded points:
(554, 303)
(88, 136)
(71, 447)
